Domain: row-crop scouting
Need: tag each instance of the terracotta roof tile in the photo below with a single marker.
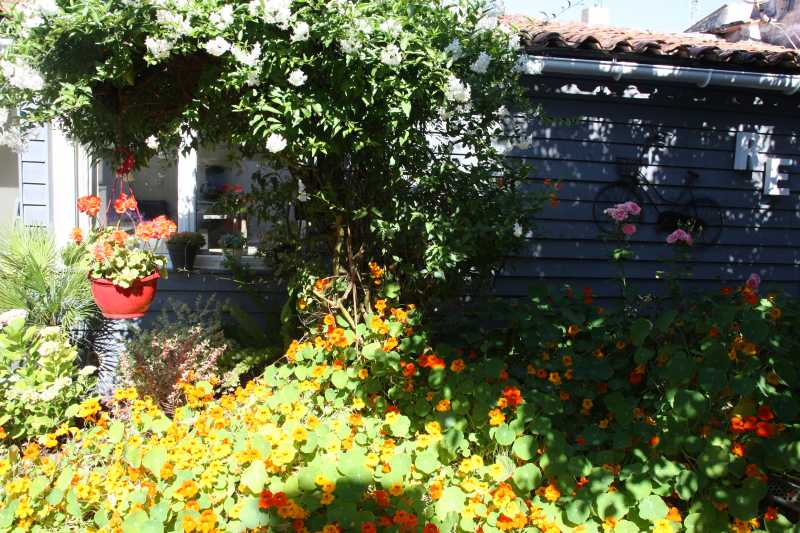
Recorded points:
(576, 39)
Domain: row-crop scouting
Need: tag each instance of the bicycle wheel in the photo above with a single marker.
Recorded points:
(706, 217)
(609, 196)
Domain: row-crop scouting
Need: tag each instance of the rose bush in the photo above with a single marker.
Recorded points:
(584, 421)
(39, 379)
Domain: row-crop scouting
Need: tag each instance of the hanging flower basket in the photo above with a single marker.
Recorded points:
(117, 303)
(124, 267)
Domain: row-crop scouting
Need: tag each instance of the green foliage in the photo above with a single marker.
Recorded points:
(38, 377)
(560, 427)
(52, 287)
(190, 239)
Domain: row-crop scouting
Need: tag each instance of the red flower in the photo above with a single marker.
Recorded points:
(737, 449)
(368, 527)
(89, 205)
(771, 514)
(765, 413)
(512, 396)
(430, 528)
(131, 204)
(766, 430)
(120, 203)
(265, 501)
(409, 370)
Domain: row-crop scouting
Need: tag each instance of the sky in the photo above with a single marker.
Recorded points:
(656, 15)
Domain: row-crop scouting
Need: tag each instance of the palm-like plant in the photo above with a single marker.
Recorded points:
(34, 275)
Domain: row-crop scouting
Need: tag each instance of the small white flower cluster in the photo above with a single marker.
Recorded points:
(486, 24)
(21, 75)
(217, 46)
(528, 65)
(34, 12)
(276, 143)
(223, 18)
(158, 48)
(454, 49)
(457, 91)
(364, 27)
(391, 55)
(152, 142)
(50, 393)
(248, 59)
(276, 12)
(297, 78)
(513, 37)
(391, 27)
(180, 24)
(300, 32)
(481, 65)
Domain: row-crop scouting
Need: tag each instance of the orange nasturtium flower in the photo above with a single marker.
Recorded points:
(76, 235)
(496, 417)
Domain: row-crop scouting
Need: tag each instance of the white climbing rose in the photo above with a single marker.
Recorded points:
(276, 143)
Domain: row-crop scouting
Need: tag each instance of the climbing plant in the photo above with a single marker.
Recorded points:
(381, 118)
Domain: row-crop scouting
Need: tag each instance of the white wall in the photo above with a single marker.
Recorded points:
(9, 185)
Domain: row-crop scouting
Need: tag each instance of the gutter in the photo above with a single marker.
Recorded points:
(702, 77)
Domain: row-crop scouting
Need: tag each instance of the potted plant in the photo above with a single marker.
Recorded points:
(124, 268)
(183, 249)
(233, 244)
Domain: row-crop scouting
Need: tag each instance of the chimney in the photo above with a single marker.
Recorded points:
(595, 16)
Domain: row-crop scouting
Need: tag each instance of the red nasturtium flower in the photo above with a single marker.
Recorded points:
(766, 414)
(513, 396)
(737, 449)
(771, 514)
(267, 500)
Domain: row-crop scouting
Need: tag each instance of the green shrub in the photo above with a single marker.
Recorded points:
(52, 286)
(38, 378)
(182, 346)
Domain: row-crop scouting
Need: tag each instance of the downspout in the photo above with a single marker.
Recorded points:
(701, 77)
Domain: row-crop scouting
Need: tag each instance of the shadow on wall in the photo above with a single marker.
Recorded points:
(672, 151)
(9, 185)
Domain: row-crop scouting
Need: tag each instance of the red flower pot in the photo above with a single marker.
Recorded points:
(117, 303)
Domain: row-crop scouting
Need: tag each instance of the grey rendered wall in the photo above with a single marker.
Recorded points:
(759, 233)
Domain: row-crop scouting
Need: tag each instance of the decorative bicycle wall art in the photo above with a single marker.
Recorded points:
(702, 216)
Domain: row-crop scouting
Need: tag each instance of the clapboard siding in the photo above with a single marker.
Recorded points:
(697, 131)
(34, 180)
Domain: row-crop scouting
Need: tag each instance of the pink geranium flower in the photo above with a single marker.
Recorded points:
(679, 236)
(754, 282)
(629, 229)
